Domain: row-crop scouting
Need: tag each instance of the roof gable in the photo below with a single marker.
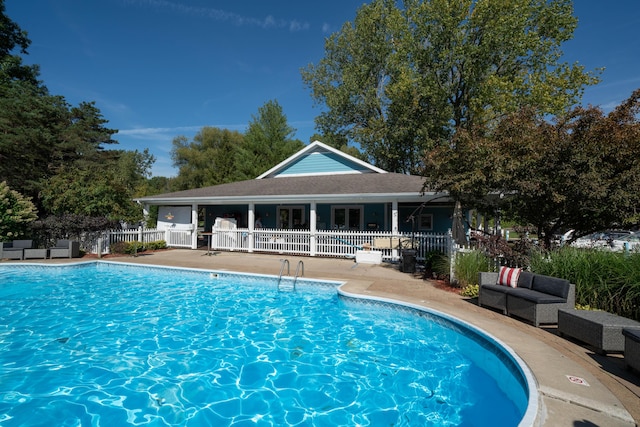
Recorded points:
(319, 159)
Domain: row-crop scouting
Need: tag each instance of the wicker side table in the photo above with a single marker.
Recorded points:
(599, 329)
(36, 253)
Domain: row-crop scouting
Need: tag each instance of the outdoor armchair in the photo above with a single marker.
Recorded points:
(65, 249)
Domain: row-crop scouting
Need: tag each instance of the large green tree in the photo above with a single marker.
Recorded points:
(207, 160)
(405, 76)
(267, 141)
(578, 172)
(53, 152)
(102, 189)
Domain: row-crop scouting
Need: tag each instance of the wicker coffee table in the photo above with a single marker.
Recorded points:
(599, 329)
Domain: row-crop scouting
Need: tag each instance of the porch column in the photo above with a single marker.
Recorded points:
(313, 218)
(194, 224)
(394, 227)
(251, 217)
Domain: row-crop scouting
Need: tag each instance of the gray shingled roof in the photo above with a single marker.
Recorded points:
(340, 185)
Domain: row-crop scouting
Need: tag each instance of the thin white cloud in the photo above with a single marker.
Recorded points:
(267, 22)
(158, 133)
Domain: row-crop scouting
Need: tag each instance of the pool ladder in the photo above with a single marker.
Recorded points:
(282, 286)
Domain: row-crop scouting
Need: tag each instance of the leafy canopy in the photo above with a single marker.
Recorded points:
(16, 214)
(405, 76)
(579, 172)
(54, 153)
(217, 156)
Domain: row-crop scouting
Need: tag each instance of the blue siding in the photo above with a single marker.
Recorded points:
(317, 162)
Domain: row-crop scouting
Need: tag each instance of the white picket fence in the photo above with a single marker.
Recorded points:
(102, 243)
(332, 243)
(328, 243)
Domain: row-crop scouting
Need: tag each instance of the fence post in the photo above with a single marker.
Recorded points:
(453, 251)
(140, 235)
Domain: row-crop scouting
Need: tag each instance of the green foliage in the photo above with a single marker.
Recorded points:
(400, 80)
(71, 226)
(119, 247)
(267, 142)
(207, 160)
(468, 265)
(218, 156)
(579, 172)
(604, 280)
(470, 291)
(129, 248)
(16, 214)
(45, 144)
(133, 248)
(156, 245)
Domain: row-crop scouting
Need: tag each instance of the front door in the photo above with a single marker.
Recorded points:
(291, 217)
(347, 217)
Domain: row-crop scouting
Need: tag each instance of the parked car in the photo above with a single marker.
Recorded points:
(629, 242)
(603, 240)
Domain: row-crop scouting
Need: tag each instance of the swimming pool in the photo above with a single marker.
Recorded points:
(114, 344)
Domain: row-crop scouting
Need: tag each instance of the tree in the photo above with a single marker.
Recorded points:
(207, 160)
(401, 80)
(578, 172)
(16, 213)
(267, 141)
(41, 134)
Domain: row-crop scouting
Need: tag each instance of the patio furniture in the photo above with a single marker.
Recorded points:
(65, 249)
(15, 249)
(535, 297)
(599, 329)
(632, 348)
(35, 253)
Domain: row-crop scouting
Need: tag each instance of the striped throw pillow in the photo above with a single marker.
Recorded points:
(509, 276)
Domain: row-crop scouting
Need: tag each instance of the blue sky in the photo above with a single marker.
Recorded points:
(158, 69)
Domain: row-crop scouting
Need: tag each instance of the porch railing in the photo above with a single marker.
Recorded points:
(331, 243)
(328, 243)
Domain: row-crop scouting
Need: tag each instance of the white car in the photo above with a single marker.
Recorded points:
(603, 240)
(629, 242)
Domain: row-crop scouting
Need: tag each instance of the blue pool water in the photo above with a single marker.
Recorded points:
(102, 344)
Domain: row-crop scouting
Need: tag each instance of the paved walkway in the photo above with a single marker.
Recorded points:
(608, 396)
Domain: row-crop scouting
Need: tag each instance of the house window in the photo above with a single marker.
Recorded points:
(291, 217)
(425, 222)
(347, 217)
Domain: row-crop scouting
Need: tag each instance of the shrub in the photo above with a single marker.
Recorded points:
(128, 248)
(468, 265)
(604, 280)
(470, 291)
(135, 247)
(119, 248)
(158, 244)
(17, 212)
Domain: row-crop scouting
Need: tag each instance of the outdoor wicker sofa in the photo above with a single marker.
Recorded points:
(536, 298)
(14, 249)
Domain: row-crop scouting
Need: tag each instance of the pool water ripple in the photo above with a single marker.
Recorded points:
(107, 345)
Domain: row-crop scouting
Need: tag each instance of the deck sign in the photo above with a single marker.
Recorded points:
(577, 380)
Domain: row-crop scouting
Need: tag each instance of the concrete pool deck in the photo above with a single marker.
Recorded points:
(577, 387)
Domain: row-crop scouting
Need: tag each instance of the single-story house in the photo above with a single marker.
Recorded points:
(317, 191)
